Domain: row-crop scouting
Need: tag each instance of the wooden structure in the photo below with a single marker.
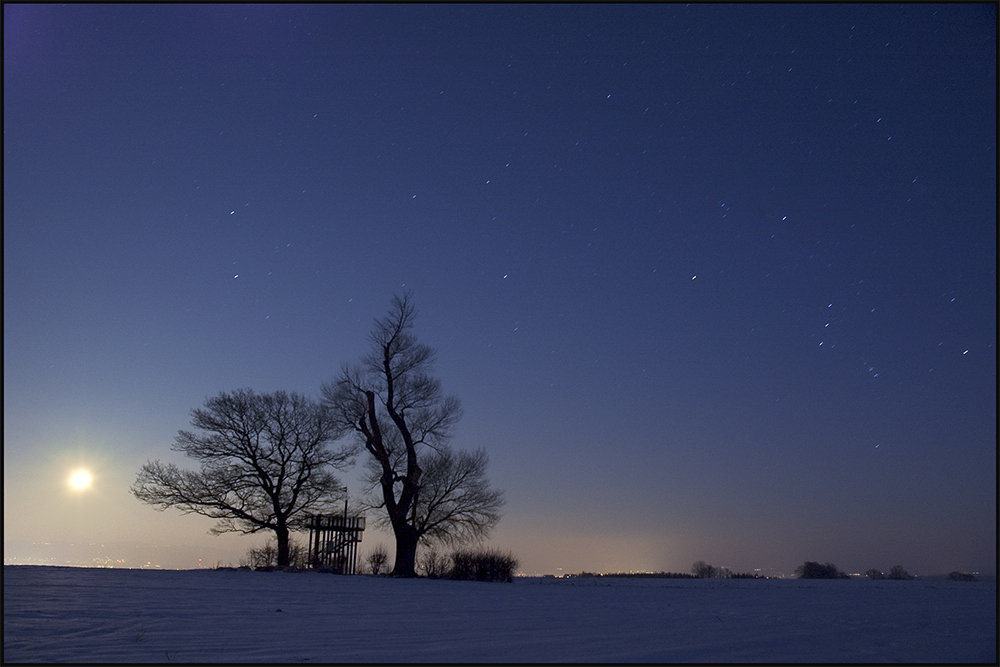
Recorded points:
(333, 541)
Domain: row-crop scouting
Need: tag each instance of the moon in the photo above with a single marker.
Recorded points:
(80, 479)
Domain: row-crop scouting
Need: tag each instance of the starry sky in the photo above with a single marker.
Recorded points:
(712, 281)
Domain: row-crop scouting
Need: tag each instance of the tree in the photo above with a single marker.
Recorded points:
(875, 574)
(264, 465)
(703, 570)
(813, 570)
(403, 421)
(377, 558)
(899, 572)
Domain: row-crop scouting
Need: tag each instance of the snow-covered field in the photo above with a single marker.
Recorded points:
(54, 614)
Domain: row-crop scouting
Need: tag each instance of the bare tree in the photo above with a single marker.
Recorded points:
(377, 558)
(703, 570)
(404, 422)
(264, 465)
(433, 564)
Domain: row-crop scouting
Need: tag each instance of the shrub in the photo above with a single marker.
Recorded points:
(378, 559)
(875, 574)
(433, 565)
(813, 570)
(265, 557)
(485, 565)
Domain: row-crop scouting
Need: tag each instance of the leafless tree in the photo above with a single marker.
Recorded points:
(433, 564)
(377, 559)
(703, 570)
(264, 465)
(404, 421)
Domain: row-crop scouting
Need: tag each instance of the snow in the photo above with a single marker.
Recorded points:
(58, 614)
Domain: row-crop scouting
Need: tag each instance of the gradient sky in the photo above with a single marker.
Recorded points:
(712, 282)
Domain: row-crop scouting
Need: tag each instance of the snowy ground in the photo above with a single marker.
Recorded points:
(54, 614)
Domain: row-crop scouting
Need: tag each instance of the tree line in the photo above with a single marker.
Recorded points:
(814, 570)
(266, 461)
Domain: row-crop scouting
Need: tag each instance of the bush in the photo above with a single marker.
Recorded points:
(433, 565)
(897, 572)
(265, 558)
(813, 570)
(961, 576)
(378, 559)
(875, 574)
(487, 565)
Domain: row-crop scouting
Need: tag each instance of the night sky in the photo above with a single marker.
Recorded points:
(712, 282)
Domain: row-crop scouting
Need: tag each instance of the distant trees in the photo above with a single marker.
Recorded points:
(702, 570)
(813, 570)
(264, 465)
(898, 572)
(403, 421)
(961, 576)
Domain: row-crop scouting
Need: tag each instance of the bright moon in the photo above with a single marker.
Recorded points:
(80, 479)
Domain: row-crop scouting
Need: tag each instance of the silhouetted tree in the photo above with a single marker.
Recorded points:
(875, 574)
(961, 576)
(898, 572)
(703, 570)
(813, 570)
(433, 564)
(377, 559)
(264, 465)
(404, 421)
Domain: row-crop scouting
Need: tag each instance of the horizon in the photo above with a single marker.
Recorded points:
(123, 556)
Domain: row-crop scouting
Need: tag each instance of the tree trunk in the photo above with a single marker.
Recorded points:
(281, 533)
(406, 552)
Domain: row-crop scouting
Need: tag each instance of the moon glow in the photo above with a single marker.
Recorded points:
(80, 479)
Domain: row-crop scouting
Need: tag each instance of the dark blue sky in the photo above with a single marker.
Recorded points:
(712, 281)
